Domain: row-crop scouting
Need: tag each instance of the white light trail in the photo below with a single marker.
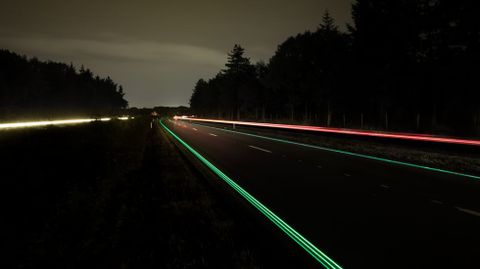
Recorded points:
(13, 125)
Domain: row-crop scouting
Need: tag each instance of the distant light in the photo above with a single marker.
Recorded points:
(105, 119)
(403, 136)
(123, 118)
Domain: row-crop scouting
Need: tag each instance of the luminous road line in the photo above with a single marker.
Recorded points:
(404, 136)
(318, 255)
(469, 211)
(261, 149)
(195, 129)
(212, 134)
(350, 153)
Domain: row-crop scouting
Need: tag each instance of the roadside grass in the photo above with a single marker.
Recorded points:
(118, 194)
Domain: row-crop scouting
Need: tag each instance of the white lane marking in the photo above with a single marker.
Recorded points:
(347, 175)
(212, 134)
(436, 202)
(195, 129)
(385, 186)
(469, 211)
(257, 148)
(319, 166)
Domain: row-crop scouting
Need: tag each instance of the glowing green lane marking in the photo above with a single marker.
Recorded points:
(318, 255)
(348, 153)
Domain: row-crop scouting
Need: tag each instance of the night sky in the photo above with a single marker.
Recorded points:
(157, 49)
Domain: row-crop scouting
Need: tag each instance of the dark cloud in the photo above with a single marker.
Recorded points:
(156, 49)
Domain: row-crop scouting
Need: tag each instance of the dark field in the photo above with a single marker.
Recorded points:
(119, 194)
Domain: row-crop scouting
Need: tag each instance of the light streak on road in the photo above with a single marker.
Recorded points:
(14, 125)
(318, 255)
(404, 136)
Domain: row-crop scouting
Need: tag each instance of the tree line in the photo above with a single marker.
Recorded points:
(30, 89)
(401, 65)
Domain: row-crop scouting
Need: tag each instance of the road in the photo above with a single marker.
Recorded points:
(360, 212)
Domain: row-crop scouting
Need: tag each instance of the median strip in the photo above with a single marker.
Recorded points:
(318, 255)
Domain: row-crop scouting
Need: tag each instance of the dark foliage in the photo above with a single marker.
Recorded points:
(33, 89)
(402, 65)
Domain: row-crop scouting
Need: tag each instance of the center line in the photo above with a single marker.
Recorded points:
(257, 148)
(212, 134)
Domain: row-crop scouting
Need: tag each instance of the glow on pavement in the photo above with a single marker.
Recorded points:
(404, 136)
(311, 249)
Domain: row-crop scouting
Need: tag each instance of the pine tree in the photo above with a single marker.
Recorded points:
(328, 23)
(237, 63)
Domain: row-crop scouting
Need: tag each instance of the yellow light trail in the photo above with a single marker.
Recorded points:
(13, 125)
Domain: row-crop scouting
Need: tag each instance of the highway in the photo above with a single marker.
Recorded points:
(361, 212)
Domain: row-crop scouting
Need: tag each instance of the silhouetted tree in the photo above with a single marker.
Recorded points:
(35, 89)
(405, 65)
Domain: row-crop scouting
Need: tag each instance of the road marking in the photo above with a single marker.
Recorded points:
(257, 148)
(385, 186)
(319, 166)
(195, 129)
(469, 211)
(310, 248)
(212, 134)
(299, 161)
(436, 202)
(347, 175)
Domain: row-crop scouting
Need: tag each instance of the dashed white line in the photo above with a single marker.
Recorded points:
(385, 186)
(319, 166)
(261, 149)
(469, 211)
(212, 134)
(436, 202)
(347, 175)
(195, 129)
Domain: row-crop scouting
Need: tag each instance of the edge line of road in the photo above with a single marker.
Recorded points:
(348, 153)
(318, 255)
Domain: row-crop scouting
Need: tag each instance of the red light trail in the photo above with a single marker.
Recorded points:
(414, 137)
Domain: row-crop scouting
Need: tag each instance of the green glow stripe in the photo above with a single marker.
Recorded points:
(318, 255)
(348, 153)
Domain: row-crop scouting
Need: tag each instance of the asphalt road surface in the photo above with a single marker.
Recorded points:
(362, 213)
